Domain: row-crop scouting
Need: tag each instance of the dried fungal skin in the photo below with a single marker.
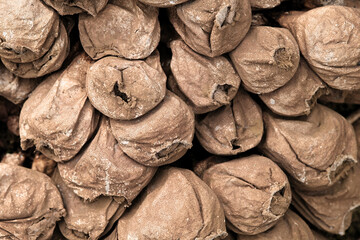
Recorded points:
(163, 3)
(331, 209)
(26, 35)
(206, 83)
(328, 38)
(126, 89)
(233, 128)
(161, 136)
(43, 164)
(180, 206)
(342, 96)
(86, 220)
(30, 204)
(48, 63)
(200, 167)
(291, 226)
(13, 88)
(298, 96)
(57, 118)
(71, 7)
(316, 150)
(254, 192)
(16, 159)
(265, 4)
(126, 29)
(212, 28)
(266, 59)
(102, 168)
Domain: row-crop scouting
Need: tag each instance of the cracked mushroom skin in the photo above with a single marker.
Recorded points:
(315, 150)
(161, 136)
(126, 29)
(103, 169)
(212, 28)
(70, 7)
(126, 89)
(26, 35)
(254, 192)
(206, 83)
(57, 118)
(233, 128)
(264, 4)
(328, 38)
(180, 206)
(30, 204)
(266, 59)
(163, 3)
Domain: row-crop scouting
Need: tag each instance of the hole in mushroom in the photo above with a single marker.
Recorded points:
(120, 94)
(221, 93)
(279, 203)
(283, 58)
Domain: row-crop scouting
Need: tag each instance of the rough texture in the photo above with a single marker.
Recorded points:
(265, 4)
(43, 164)
(212, 28)
(266, 59)
(57, 118)
(70, 7)
(86, 220)
(102, 168)
(124, 28)
(291, 226)
(26, 35)
(49, 62)
(16, 159)
(298, 96)
(328, 38)
(316, 151)
(161, 136)
(180, 206)
(30, 204)
(206, 83)
(163, 3)
(233, 128)
(254, 192)
(126, 89)
(342, 96)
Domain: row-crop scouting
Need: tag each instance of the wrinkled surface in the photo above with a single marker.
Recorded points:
(86, 220)
(298, 96)
(200, 167)
(328, 38)
(266, 59)
(331, 209)
(123, 28)
(291, 226)
(342, 96)
(179, 206)
(30, 204)
(49, 62)
(16, 159)
(206, 83)
(254, 192)
(13, 88)
(126, 89)
(57, 118)
(102, 168)
(316, 150)
(264, 4)
(26, 35)
(233, 128)
(163, 3)
(212, 28)
(70, 7)
(161, 136)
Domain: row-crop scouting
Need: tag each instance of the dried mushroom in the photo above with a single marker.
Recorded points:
(161, 136)
(123, 28)
(102, 168)
(265, 4)
(328, 38)
(316, 150)
(126, 89)
(233, 128)
(266, 59)
(179, 206)
(57, 118)
(70, 7)
(28, 29)
(331, 209)
(298, 96)
(30, 204)
(254, 192)
(16, 159)
(86, 220)
(206, 83)
(163, 3)
(291, 226)
(342, 96)
(43, 164)
(212, 28)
